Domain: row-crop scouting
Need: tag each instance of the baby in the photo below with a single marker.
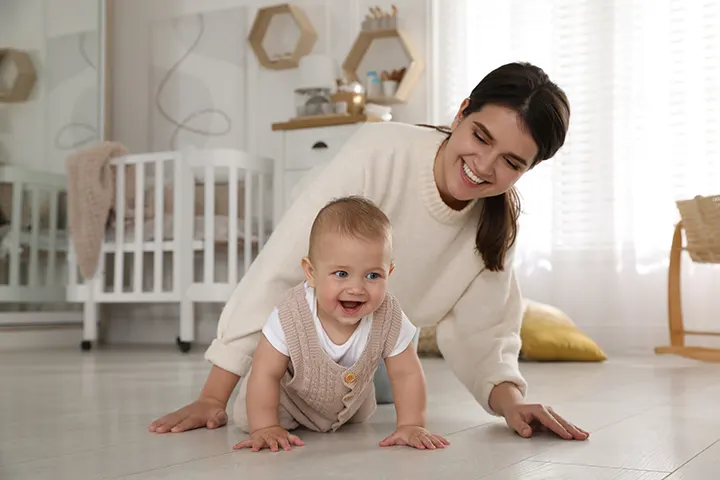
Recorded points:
(320, 347)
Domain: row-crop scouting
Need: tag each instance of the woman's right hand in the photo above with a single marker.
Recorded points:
(204, 412)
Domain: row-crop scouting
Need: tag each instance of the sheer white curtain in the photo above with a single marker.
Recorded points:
(643, 79)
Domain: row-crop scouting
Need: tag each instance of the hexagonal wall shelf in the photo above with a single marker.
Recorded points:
(17, 75)
(413, 70)
(261, 27)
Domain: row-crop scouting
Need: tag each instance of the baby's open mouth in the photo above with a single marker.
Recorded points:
(350, 306)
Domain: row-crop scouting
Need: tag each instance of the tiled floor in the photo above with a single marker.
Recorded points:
(64, 415)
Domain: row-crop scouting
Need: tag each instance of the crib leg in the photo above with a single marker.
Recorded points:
(187, 326)
(90, 324)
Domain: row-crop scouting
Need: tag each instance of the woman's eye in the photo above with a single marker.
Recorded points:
(373, 276)
(341, 274)
(512, 164)
(478, 137)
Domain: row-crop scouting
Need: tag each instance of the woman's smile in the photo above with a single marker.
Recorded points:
(469, 177)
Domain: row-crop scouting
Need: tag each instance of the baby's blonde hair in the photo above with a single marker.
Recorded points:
(353, 216)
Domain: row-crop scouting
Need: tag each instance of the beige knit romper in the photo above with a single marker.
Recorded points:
(316, 392)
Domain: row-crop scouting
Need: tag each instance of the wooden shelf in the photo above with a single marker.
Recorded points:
(305, 44)
(315, 121)
(385, 100)
(413, 70)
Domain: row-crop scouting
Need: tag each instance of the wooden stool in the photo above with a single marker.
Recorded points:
(700, 219)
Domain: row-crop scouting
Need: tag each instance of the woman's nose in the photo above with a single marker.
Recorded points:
(484, 165)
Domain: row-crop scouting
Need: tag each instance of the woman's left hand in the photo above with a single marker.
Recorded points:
(527, 418)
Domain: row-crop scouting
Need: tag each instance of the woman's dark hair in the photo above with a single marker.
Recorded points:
(544, 111)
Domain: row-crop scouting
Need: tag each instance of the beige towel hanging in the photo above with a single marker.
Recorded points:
(91, 196)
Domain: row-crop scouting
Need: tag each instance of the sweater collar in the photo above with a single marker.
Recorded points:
(429, 192)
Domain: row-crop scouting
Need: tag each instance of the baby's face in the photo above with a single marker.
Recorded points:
(350, 276)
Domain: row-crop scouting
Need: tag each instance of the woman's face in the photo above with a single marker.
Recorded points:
(486, 154)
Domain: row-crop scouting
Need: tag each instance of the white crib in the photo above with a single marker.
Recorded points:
(195, 251)
(33, 245)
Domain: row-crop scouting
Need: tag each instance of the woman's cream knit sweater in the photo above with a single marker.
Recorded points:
(438, 279)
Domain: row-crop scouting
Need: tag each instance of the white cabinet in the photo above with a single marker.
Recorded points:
(302, 150)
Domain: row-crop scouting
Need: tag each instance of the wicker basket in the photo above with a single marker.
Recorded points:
(701, 221)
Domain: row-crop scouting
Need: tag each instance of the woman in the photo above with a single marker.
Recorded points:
(451, 200)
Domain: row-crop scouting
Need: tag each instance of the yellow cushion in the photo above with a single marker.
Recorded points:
(548, 334)
(427, 342)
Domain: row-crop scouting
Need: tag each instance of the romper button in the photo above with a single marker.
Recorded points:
(350, 378)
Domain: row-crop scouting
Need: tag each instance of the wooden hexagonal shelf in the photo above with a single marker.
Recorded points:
(17, 75)
(413, 70)
(261, 28)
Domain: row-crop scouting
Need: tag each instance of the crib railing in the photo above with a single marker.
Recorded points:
(141, 202)
(131, 210)
(27, 241)
(254, 175)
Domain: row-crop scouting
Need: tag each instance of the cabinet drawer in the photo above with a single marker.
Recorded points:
(310, 147)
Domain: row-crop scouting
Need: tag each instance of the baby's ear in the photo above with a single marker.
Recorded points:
(309, 271)
(392, 268)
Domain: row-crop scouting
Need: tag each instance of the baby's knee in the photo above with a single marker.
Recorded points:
(366, 410)
(239, 415)
(285, 419)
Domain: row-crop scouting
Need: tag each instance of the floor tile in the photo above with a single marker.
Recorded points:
(531, 470)
(703, 467)
(662, 439)
(80, 416)
(354, 453)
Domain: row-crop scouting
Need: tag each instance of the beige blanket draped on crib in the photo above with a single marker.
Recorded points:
(90, 197)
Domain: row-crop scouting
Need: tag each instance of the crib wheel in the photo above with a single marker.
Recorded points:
(183, 346)
(86, 345)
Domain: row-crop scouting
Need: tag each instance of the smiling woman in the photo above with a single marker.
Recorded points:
(449, 195)
(513, 119)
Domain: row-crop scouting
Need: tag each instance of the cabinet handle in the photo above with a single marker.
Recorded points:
(319, 145)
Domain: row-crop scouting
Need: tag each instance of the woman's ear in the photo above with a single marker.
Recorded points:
(459, 116)
(309, 271)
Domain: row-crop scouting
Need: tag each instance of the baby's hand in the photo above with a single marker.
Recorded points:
(270, 437)
(417, 437)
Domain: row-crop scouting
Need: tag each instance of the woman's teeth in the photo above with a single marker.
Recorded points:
(473, 178)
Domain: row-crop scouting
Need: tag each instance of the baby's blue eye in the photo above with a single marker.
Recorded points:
(341, 273)
(373, 276)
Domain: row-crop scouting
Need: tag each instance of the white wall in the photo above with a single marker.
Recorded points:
(153, 36)
(21, 124)
(221, 73)
(62, 113)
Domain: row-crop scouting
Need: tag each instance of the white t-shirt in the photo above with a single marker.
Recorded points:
(349, 352)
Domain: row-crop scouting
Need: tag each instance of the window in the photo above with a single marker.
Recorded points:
(643, 79)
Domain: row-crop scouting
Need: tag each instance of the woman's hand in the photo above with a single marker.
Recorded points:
(204, 412)
(271, 438)
(416, 437)
(207, 411)
(527, 418)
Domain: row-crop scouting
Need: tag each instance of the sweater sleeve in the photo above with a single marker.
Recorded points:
(480, 336)
(277, 268)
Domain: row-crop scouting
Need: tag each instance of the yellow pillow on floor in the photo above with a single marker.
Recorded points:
(548, 334)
